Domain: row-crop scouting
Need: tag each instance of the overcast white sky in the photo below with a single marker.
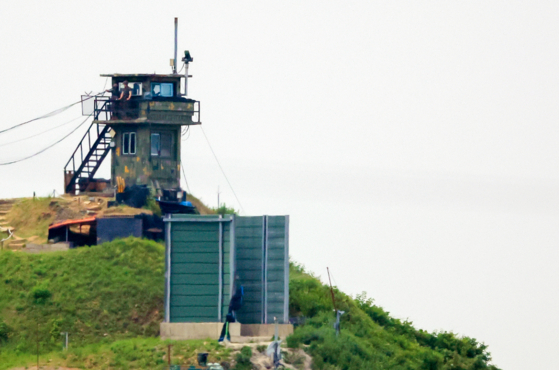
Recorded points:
(413, 143)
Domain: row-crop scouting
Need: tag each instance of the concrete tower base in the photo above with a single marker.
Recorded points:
(211, 330)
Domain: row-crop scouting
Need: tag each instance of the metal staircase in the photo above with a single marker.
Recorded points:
(81, 168)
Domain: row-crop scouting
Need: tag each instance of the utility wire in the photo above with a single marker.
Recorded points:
(40, 133)
(222, 171)
(53, 113)
(184, 176)
(184, 132)
(48, 147)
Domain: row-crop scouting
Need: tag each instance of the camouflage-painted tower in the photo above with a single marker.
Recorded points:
(143, 133)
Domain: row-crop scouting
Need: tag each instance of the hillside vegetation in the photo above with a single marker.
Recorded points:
(110, 299)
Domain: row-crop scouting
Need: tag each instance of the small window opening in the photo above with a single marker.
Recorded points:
(155, 145)
(135, 86)
(161, 145)
(129, 143)
(164, 89)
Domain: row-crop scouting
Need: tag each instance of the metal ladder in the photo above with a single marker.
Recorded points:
(96, 145)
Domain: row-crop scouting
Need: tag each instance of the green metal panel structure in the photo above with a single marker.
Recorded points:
(198, 264)
(276, 269)
(208, 256)
(249, 259)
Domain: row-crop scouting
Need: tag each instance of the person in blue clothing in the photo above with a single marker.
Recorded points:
(234, 305)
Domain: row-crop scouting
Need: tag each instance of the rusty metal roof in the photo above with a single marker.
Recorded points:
(83, 221)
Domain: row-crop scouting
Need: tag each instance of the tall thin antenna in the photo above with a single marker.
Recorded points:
(176, 37)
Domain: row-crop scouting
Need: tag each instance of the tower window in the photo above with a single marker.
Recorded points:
(129, 143)
(161, 145)
(135, 86)
(164, 89)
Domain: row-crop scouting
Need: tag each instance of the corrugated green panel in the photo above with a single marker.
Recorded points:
(193, 247)
(194, 301)
(253, 295)
(249, 254)
(199, 290)
(275, 233)
(249, 275)
(190, 216)
(195, 268)
(175, 317)
(276, 267)
(195, 311)
(249, 317)
(249, 238)
(275, 296)
(275, 286)
(253, 266)
(276, 222)
(195, 226)
(196, 236)
(246, 314)
(276, 254)
(208, 311)
(194, 279)
(276, 277)
(248, 221)
(276, 243)
(198, 257)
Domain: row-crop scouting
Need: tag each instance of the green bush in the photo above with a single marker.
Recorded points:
(224, 210)
(242, 359)
(5, 331)
(370, 338)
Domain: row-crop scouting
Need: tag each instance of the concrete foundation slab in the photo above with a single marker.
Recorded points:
(240, 333)
(196, 330)
(266, 330)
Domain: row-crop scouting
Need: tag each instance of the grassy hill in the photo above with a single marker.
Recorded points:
(110, 299)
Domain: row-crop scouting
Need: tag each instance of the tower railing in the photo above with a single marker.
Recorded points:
(176, 110)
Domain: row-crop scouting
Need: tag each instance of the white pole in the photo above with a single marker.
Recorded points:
(186, 79)
(176, 28)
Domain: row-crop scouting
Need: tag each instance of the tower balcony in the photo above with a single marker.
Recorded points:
(173, 111)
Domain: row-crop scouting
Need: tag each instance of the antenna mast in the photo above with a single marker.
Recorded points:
(176, 37)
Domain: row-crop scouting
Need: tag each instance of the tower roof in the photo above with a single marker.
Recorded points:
(152, 75)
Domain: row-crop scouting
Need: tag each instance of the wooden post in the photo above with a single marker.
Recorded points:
(37, 343)
(169, 355)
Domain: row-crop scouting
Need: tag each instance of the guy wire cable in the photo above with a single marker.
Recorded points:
(53, 113)
(40, 133)
(48, 147)
(222, 171)
(185, 181)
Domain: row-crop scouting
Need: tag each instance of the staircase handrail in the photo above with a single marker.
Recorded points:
(79, 145)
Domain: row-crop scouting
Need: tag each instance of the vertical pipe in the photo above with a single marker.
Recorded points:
(220, 272)
(176, 28)
(186, 79)
(232, 251)
(262, 272)
(168, 268)
(286, 274)
(265, 269)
